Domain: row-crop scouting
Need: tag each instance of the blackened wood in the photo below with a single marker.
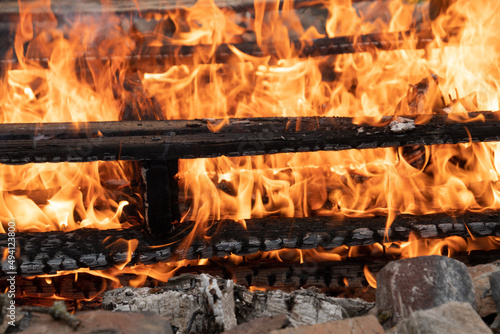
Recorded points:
(163, 140)
(312, 48)
(183, 54)
(161, 204)
(121, 6)
(328, 276)
(287, 276)
(98, 249)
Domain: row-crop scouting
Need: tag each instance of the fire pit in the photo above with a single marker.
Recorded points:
(278, 144)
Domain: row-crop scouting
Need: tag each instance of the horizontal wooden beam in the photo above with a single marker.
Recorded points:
(313, 48)
(129, 6)
(100, 249)
(329, 276)
(149, 57)
(161, 140)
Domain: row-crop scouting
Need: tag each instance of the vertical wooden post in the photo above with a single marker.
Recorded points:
(161, 196)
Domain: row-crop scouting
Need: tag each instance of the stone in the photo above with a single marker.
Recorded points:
(422, 283)
(454, 317)
(360, 325)
(480, 279)
(101, 322)
(495, 288)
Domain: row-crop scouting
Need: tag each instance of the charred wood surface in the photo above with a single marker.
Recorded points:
(161, 196)
(120, 6)
(162, 140)
(148, 57)
(330, 277)
(41, 253)
(313, 48)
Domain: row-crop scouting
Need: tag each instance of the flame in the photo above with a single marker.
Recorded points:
(100, 86)
(63, 196)
(370, 277)
(90, 76)
(451, 178)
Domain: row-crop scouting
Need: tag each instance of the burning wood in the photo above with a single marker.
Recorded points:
(156, 140)
(287, 90)
(48, 253)
(304, 307)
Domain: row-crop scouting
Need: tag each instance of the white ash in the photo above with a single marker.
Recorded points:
(402, 125)
(213, 304)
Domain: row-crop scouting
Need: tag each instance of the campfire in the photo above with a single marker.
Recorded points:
(277, 144)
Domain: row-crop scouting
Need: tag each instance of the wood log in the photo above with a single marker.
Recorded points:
(193, 304)
(314, 48)
(161, 140)
(84, 290)
(149, 57)
(41, 253)
(175, 302)
(120, 6)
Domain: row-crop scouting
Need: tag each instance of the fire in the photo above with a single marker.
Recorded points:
(64, 196)
(90, 75)
(454, 179)
(373, 84)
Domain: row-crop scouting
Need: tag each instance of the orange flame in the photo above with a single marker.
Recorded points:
(369, 277)
(446, 77)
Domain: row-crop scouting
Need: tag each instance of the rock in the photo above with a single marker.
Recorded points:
(261, 325)
(360, 325)
(454, 317)
(480, 279)
(101, 322)
(495, 326)
(495, 289)
(422, 283)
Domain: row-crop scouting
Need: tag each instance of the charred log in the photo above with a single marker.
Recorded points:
(147, 57)
(42, 253)
(329, 277)
(162, 140)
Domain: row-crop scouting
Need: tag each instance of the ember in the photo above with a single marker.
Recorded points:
(261, 141)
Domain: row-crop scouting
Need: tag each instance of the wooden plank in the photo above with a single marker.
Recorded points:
(329, 276)
(100, 249)
(160, 140)
(116, 6)
(147, 58)
(127, 6)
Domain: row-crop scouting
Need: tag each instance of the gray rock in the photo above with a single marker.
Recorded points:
(359, 325)
(480, 275)
(422, 283)
(495, 288)
(454, 317)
